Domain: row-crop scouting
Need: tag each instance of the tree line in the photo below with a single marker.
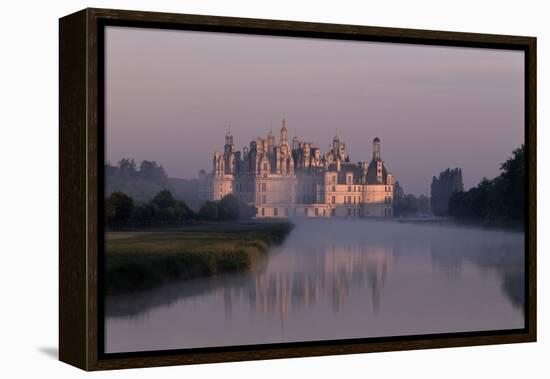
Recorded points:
(147, 170)
(408, 205)
(121, 210)
(502, 198)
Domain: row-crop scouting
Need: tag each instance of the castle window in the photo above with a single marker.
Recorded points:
(349, 179)
(263, 212)
(263, 199)
(275, 212)
(345, 200)
(265, 166)
(334, 200)
(324, 212)
(354, 200)
(334, 178)
(333, 188)
(264, 187)
(349, 199)
(316, 211)
(349, 188)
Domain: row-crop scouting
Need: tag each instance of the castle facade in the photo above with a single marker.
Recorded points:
(294, 179)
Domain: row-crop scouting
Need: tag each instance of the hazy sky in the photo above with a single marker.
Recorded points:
(170, 96)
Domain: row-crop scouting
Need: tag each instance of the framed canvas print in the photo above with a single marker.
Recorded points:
(238, 189)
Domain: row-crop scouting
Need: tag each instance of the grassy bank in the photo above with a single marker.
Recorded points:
(136, 260)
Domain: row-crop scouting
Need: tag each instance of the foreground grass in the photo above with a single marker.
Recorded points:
(139, 260)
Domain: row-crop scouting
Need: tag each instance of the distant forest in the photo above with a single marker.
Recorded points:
(142, 182)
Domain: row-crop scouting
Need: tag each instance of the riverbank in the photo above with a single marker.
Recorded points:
(137, 260)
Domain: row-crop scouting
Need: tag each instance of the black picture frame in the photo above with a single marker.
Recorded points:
(81, 163)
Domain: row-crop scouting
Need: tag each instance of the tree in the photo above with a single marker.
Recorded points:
(209, 211)
(149, 170)
(164, 199)
(118, 207)
(423, 205)
(442, 187)
(407, 204)
(127, 168)
(229, 208)
(502, 198)
(183, 212)
(511, 185)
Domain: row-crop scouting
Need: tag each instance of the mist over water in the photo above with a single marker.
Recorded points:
(337, 279)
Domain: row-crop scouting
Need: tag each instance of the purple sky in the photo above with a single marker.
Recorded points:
(170, 96)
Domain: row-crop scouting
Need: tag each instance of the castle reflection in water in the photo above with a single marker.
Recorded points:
(334, 271)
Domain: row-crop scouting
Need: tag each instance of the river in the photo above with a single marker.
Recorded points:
(337, 279)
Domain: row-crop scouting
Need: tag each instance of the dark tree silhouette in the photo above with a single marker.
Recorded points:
(149, 170)
(502, 198)
(448, 182)
(164, 199)
(118, 207)
(229, 208)
(209, 211)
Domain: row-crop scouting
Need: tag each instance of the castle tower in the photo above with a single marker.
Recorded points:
(270, 143)
(342, 151)
(336, 144)
(284, 133)
(295, 143)
(229, 137)
(376, 149)
(219, 164)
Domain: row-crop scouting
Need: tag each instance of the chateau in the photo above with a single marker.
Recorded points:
(296, 180)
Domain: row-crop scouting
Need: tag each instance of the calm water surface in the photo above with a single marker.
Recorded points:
(337, 280)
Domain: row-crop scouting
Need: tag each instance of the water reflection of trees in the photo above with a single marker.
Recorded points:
(324, 273)
(505, 258)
